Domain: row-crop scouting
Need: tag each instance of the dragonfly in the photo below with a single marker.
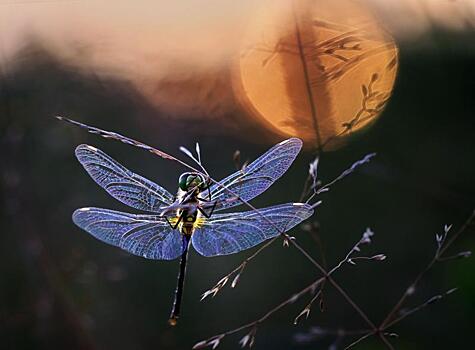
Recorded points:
(171, 223)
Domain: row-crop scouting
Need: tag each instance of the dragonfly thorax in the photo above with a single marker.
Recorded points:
(187, 215)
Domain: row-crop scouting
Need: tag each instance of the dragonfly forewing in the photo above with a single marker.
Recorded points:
(121, 183)
(257, 176)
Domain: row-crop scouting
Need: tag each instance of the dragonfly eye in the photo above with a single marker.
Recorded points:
(188, 181)
(201, 182)
(183, 181)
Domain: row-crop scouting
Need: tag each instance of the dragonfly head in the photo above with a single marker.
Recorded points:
(190, 181)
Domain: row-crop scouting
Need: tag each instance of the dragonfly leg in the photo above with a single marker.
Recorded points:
(209, 191)
(211, 212)
(176, 224)
(208, 187)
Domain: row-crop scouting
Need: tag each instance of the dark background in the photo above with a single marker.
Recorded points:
(61, 288)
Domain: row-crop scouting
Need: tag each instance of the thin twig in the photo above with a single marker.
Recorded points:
(365, 239)
(461, 230)
(308, 85)
(440, 250)
(359, 340)
(431, 301)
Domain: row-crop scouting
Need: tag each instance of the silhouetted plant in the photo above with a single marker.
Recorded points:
(382, 330)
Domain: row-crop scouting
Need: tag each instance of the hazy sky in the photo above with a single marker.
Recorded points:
(195, 31)
(148, 40)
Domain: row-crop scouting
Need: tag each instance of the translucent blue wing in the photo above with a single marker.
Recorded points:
(149, 236)
(121, 183)
(257, 176)
(230, 233)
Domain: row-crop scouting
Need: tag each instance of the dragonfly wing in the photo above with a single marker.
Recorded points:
(121, 183)
(257, 176)
(224, 234)
(148, 236)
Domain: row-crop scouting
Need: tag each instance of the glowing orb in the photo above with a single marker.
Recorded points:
(318, 70)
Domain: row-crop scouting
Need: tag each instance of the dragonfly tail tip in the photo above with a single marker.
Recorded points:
(172, 321)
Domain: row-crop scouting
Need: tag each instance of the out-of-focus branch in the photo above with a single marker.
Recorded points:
(349, 258)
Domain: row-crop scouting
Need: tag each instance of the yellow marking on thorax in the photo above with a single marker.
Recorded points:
(173, 220)
(198, 223)
(187, 225)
